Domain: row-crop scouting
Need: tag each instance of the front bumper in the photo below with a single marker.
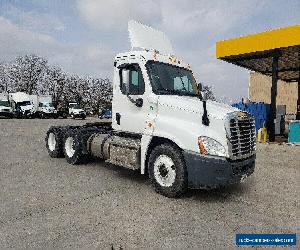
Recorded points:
(213, 172)
(6, 114)
(49, 114)
(79, 115)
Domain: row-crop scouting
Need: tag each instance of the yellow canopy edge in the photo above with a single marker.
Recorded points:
(268, 40)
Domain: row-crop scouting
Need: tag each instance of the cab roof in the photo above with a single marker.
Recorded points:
(146, 55)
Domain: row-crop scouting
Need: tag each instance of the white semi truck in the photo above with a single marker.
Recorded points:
(22, 105)
(161, 125)
(5, 108)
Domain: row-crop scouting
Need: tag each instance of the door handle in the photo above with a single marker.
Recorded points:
(118, 118)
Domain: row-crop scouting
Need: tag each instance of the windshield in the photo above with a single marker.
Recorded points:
(46, 104)
(25, 103)
(4, 103)
(74, 106)
(171, 80)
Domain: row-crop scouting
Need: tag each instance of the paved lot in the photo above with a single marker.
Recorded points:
(47, 203)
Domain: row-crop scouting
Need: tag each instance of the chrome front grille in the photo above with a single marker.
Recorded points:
(242, 136)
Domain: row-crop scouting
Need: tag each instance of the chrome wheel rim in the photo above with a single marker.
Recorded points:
(69, 147)
(164, 171)
(51, 142)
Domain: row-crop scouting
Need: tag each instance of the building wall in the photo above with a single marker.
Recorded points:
(260, 91)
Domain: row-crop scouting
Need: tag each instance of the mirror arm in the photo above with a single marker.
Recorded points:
(205, 120)
(131, 99)
(138, 102)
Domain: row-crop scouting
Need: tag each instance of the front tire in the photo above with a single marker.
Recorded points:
(167, 170)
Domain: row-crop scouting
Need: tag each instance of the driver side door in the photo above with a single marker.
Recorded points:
(130, 116)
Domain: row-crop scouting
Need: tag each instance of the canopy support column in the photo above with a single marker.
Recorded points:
(298, 101)
(272, 119)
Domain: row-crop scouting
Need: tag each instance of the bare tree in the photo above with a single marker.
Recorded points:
(3, 82)
(33, 75)
(209, 92)
(53, 83)
(27, 71)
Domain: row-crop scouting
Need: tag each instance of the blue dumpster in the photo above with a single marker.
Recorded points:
(259, 110)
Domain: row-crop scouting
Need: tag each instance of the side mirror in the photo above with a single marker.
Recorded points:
(125, 80)
(139, 102)
(204, 96)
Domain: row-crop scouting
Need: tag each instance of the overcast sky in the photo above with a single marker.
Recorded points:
(83, 36)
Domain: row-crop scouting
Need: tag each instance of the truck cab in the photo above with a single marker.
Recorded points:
(22, 105)
(163, 126)
(5, 109)
(46, 107)
(156, 96)
(75, 111)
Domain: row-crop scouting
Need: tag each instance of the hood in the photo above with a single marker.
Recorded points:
(194, 105)
(48, 108)
(78, 110)
(27, 107)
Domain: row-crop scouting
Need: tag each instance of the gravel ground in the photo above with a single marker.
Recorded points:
(47, 203)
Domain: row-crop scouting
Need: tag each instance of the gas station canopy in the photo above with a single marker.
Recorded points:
(256, 52)
(275, 53)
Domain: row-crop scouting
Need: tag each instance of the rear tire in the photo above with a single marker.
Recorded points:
(167, 170)
(74, 144)
(54, 142)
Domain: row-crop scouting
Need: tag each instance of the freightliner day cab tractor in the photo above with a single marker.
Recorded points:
(161, 126)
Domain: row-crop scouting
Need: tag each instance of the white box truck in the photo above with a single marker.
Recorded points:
(161, 125)
(44, 106)
(22, 105)
(5, 108)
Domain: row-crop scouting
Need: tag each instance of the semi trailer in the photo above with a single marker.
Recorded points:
(162, 125)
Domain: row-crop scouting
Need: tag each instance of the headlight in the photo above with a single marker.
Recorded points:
(209, 146)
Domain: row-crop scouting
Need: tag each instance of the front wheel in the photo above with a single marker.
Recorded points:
(167, 170)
